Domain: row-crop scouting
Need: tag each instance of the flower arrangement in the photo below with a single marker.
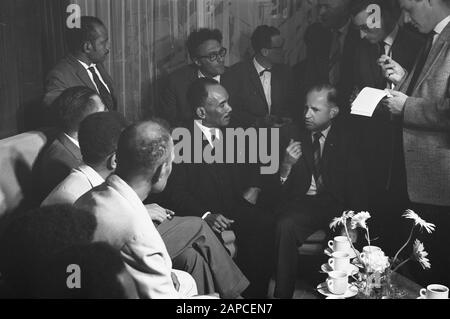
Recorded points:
(375, 260)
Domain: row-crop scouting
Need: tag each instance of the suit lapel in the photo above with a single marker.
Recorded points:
(307, 151)
(275, 87)
(328, 151)
(256, 83)
(70, 147)
(81, 72)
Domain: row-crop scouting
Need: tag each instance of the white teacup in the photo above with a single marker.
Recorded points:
(337, 282)
(339, 261)
(339, 243)
(434, 292)
(371, 251)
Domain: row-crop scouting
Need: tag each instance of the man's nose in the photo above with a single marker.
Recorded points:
(229, 108)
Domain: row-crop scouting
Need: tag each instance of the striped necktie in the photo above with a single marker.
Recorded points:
(317, 162)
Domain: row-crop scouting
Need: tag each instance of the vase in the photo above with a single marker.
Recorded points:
(376, 285)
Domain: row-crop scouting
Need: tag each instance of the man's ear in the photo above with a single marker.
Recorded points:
(201, 112)
(87, 46)
(112, 162)
(158, 173)
(196, 62)
(264, 52)
(334, 112)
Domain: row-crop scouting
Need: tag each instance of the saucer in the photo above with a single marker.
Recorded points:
(351, 291)
(351, 270)
(329, 251)
(421, 297)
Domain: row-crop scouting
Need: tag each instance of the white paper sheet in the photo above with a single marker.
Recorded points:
(367, 101)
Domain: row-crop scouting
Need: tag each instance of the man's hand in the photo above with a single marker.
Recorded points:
(159, 214)
(218, 222)
(293, 153)
(392, 71)
(175, 281)
(251, 195)
(396, 103)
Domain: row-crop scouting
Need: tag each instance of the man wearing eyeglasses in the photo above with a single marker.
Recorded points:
(379, 136)
(208, 57)
(263, 85)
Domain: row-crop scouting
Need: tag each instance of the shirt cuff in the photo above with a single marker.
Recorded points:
(206, 215)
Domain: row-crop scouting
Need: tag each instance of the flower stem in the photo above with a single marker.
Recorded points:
(403, 247)
(351, 243)
(368, 235)
(401, 264)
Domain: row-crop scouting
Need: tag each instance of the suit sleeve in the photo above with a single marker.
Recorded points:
(54, 86)
(168, 102)
(356, 191)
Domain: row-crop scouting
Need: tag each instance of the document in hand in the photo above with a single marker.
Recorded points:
(367, 101)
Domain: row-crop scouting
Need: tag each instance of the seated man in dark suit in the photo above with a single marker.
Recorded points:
(320, 177)
(58, 158)
(380, 140)
(331, 44)
(205, 50)
(262, 86)
(89, 47)
(214, 192)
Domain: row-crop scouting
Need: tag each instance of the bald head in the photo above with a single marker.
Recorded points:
(143, 149)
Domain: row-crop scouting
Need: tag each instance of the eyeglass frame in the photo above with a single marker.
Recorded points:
(213, 56)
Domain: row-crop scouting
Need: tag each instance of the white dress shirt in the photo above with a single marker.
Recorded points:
(266, 81)
(201, 75)
(209, 132)
(440, 27)
(74, 141)
(92, 78)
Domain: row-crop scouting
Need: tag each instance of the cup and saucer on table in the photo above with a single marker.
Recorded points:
(337, 286)
(342, 244)
(434, 291)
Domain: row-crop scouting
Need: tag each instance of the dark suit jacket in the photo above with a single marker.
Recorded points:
(174, 105)
(247, 94)
(69, 73)
(315, 69)
(342, 172)
(54, 164)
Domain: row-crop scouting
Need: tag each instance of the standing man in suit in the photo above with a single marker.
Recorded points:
(213, 191)
(421, 101)
(262, 86)
(208, 55)
(63, 154)
(83, 66)
(380, 136)
(320, 177)
(331, 46)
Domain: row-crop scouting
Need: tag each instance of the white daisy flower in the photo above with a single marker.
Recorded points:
(341, 220)
(420, 254)
(359, 220)
(429, 227)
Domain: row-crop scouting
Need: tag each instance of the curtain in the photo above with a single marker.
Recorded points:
(148, 37)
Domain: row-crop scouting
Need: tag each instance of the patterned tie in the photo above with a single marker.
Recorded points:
(421, 62)
(102, 90)
(317, 162)
(335, 58)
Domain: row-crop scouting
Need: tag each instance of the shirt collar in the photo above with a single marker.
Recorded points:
(389, 40)
(91, 174)
(201, 75)
(259, 68)
(125, 190)
(441, 25)
(74, 141)
(85, 65)
(208, 131)
(324, 132)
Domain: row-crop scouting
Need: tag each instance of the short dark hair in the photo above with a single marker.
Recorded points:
(72, 106)
(197, 93)
(140, 151)
(77, 37)
(33, 237)
(98, 135)
(262, 37)
(197, 37)
(100, 264)
(332, 96)
(388, 7)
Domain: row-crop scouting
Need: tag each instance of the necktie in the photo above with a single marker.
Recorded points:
(421, 62)
(317, 162)
(335, 58)
(102, 90)
(263, 71)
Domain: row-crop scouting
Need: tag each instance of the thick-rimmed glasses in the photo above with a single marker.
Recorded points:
(213, 56)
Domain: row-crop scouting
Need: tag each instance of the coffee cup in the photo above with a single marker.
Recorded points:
(434, 291)
(339, 243)
(337, 282)
(339, 261)
(371, 251)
